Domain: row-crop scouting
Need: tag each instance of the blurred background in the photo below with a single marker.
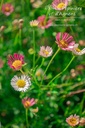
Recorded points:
(55, 105)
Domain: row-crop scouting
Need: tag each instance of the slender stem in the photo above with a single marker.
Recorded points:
(37, 59)
(1, 4)
(62, 71)
(27, 118)
(73, 32)
(34, 48)
(43, 59)
(20, 32)
(51, 60)
(22, 71)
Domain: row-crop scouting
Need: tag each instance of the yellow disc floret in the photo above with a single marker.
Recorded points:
(63, 44)
(21, 83)
(17, 63)
(46, 52)
(61, 5)
(77, 49)
(7, 9)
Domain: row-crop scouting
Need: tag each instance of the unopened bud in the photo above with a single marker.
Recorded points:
(21, 21)
(82, 121)
(2, 28)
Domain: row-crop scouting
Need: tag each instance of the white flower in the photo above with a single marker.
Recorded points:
(77, 51)
(34, 23)
(20, 83)
(45, 52)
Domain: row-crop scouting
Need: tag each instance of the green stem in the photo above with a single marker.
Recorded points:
(62, 71)
(49, 64)
(22, 71)
(37, 59)
(27, 117)
(34, 48)
(1, 4)
(20, 32)
(51, 60)
(43, 59)
(73, 33)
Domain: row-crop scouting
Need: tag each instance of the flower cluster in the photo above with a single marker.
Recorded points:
(64, 40)
(74, 120)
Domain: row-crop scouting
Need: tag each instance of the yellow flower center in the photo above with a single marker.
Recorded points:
(77, 49)
(63, 43)
(21, 83)
(73, 121)
(46, 52)
(27, 104)
(17, 64)
(61, 5)
(7, 9)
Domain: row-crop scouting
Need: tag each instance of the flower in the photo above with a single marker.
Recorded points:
(7, 9)
(77, 51)
(73, 120)
(59, 4)
(45, 51)
(65, 41)
(27, 102)
(35, 110)
(34, 23)
(82, 121)
(16, 61)
(21, 83)
(43, 23)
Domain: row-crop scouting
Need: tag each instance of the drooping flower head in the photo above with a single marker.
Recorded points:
(21, 83)
(7, 9)
(16, 61)
(65, 41)
(43, 23)
(77, 51)
(45, 51)
(73, 120)
(59, 4)
(27, 102)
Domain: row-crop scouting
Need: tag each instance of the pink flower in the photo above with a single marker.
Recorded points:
(16, 61)
(27, 102)
(7, 9)
(73, 120)
(65, 41)
(59, 4)
(45, 51)
(43, 23)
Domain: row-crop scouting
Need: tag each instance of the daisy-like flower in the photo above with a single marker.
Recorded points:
(65, 41)
(77, 51)
(45, 51)
(16, 61)
(34, 23)
(59, 4)
(43, 23)
(73, 120)
(7, 9)
(21, 83)
(27, 102)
